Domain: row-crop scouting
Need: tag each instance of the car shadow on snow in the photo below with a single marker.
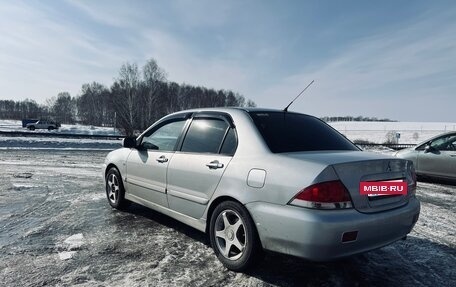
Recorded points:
(404, 263)
(164, 220)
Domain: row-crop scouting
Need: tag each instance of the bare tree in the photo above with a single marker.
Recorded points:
(94, 105)
(251, 104)
(153, 76)
(135, 100)
(64, 108)
(49, 104)
(125, 96)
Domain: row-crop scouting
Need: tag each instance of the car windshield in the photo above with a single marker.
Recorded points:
(291, 132)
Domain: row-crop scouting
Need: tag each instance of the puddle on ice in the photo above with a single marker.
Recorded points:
(23, 175)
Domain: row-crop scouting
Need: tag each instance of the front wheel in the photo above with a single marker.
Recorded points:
(32, 128)
(234, 237)
(115, 191)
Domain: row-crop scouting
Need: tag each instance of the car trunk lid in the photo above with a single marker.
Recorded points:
(353, 167)
(352, 173)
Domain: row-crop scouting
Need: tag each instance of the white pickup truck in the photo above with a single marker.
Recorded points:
(42, 125)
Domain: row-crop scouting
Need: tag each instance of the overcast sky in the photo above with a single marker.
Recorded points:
(394, 59)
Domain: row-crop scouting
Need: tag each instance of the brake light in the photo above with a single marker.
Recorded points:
(324, 195)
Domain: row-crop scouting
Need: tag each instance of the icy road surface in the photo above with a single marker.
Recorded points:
(57, 229)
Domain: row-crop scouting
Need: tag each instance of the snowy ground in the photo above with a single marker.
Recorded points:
(57, 229)
(14, 125)
(52, 142)
(378, 132)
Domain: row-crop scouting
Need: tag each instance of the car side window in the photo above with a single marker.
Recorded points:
(204, 135)
(165, 137)
(230, 143)
(445, 143)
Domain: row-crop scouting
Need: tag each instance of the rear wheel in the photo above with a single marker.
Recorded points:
(115, 191)
(50, 128)
(32, 128)
(234, 237)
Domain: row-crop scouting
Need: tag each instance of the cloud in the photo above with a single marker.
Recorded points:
(152, 36)
(383, 74)
(119, 14)
(58, 47)
(203, 13)
(42, 55)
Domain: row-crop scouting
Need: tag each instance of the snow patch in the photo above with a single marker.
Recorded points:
(74, 241)
(65, 255)
(71, 244)
(377, 132)
(98, 196)
(18, 186)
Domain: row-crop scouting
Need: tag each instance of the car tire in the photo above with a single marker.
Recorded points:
(234, 237)
(115, 191)
(32, 128)
(50, 128)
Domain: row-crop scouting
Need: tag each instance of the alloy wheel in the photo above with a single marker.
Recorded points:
(113, 188)
(230, 234)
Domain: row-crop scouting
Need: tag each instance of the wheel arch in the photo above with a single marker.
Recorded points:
(214, 204)
(111, 165)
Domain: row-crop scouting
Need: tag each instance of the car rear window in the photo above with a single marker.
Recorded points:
(291, 132)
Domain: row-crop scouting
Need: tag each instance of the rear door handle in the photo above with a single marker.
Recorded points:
(162, 159)
(215, 165)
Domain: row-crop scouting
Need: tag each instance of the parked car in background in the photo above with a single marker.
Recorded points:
(256, 179)
(28, 121)
(435, 157)
(43, 124)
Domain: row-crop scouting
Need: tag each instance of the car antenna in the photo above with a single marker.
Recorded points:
(286, 108)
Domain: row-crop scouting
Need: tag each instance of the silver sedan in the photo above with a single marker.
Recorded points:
(258, 180)
(435, 157)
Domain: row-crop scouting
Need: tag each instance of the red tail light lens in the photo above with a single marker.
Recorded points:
(324, 195)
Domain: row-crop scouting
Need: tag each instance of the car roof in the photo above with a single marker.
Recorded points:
(230, 109)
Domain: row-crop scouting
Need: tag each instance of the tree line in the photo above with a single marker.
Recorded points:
(137, 98)
(354, 119)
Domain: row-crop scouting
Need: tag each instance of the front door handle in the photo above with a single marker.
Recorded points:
(215, 164)
(162, 159)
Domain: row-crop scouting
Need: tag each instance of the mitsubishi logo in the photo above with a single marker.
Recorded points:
(388, 167)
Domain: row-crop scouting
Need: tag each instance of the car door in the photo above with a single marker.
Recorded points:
(195, 171)
(440, 158)
(40, 125)
(147, 164)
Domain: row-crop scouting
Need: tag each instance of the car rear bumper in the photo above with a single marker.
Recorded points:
(317, 234)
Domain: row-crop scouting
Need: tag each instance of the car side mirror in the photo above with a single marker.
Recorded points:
(429, 148)
(129, 142)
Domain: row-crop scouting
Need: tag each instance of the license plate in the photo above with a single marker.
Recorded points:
(382, 188)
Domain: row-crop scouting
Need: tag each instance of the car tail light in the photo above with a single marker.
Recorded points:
(324, 195)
